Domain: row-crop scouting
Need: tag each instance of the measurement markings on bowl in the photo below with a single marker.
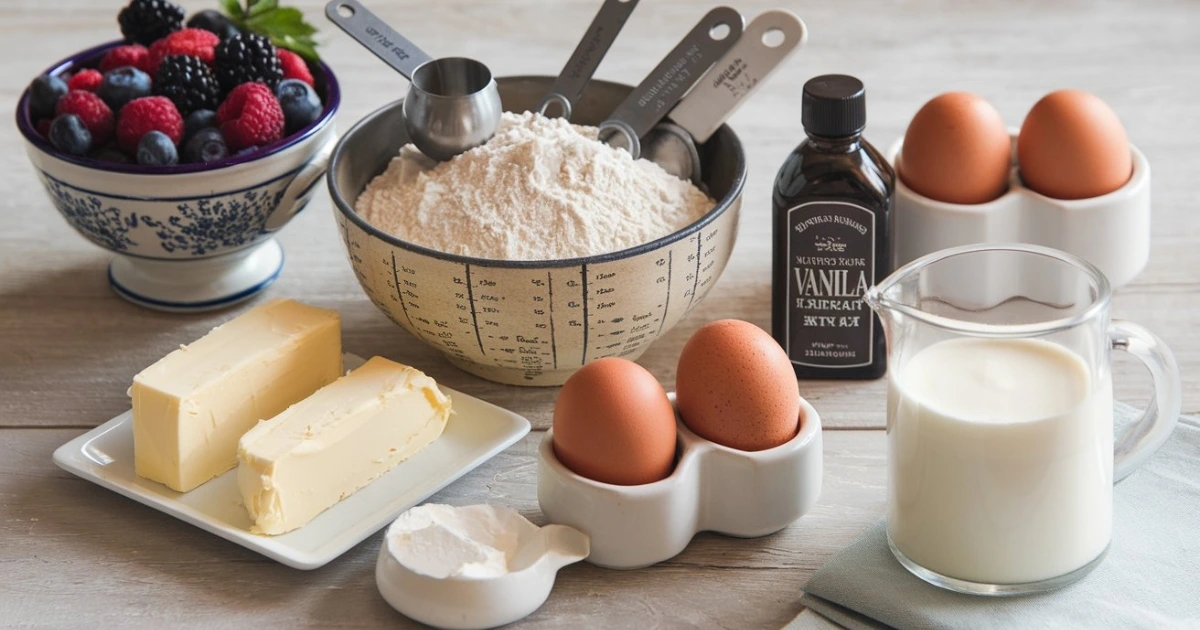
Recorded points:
(474, 313)
(537, 321)
(550, 316)
(667, 282)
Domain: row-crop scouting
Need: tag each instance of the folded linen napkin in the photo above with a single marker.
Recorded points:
(1150, 578)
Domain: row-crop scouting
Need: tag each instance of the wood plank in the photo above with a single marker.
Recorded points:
(90, 558)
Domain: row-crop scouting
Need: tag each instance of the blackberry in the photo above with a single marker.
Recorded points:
(147, 21)
(247, 57)
(188, 82)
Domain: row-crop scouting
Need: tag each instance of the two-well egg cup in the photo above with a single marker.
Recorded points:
(712, 488)
(1111, 231)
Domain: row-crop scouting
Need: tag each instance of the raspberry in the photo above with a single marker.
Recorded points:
(250, 116)
(193, 42)
(294, 67)
(143, 115)
(86, 80)
(94, 113)
(133, 55)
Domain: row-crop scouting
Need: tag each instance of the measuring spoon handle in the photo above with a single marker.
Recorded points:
(595, 43)
(738, 74)
(671, 79)
(376, 36)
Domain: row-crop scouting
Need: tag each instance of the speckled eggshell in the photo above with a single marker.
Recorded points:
(614, 423)
(735, 386)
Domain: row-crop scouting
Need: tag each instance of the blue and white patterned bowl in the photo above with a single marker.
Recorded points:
(193, 236)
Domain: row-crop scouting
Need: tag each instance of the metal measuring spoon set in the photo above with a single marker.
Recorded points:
(453, 104)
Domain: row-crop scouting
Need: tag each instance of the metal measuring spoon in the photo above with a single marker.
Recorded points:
(453, 103)
(596, 41)
(671, 79)
(672, 145)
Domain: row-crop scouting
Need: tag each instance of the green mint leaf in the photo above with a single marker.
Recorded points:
(282, 22)
(232, 9)
(306, 48)
(260, 7)
(284, 26)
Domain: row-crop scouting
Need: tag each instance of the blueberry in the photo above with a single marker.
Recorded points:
(246, 151)
(121, 85)
(197, 120)
(214, 22)
(112, 154)
(208, 145)
(156, 149)
(301, 105)
(69, 135)
(44, 93)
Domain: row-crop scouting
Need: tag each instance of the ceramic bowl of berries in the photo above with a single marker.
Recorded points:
(183, 148)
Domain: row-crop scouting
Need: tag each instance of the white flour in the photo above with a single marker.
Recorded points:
(540, 189)
(442, 541)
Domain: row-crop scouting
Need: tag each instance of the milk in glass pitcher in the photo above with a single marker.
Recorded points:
(1001, 457)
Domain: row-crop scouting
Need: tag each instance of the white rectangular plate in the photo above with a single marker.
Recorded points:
(476, 432)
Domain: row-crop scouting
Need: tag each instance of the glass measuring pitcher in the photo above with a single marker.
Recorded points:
(1000, 439)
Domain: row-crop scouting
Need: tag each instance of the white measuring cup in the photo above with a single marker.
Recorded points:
(468, 603)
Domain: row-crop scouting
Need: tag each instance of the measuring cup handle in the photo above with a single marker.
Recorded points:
(565, 545)
(1137, 443)
(300, 190)
(596, 41)
(376, 36)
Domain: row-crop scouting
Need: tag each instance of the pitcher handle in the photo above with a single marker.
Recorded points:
(1138, 442)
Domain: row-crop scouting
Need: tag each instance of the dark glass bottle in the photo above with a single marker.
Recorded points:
(832, 213)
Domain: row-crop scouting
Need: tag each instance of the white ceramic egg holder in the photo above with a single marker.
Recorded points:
(712, 488)
(1110, 231)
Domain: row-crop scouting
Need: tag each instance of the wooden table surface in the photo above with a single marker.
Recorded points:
(75, 555)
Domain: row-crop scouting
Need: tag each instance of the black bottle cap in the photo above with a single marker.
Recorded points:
(834, 106)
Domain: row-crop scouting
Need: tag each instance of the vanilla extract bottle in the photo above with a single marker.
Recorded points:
(832, 209)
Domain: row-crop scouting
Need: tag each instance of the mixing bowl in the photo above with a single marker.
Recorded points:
(189, 237)
(534, 322)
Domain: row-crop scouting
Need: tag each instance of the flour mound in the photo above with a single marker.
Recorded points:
(541, 189)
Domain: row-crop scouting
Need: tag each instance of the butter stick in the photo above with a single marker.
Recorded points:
(193, 405)
(324, 448)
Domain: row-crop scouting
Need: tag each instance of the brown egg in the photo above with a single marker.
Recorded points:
(613, 423)
(956, 150)
(735, 386)
(1073, 146)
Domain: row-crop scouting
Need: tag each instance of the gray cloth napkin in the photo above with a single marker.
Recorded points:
(1150, 578)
